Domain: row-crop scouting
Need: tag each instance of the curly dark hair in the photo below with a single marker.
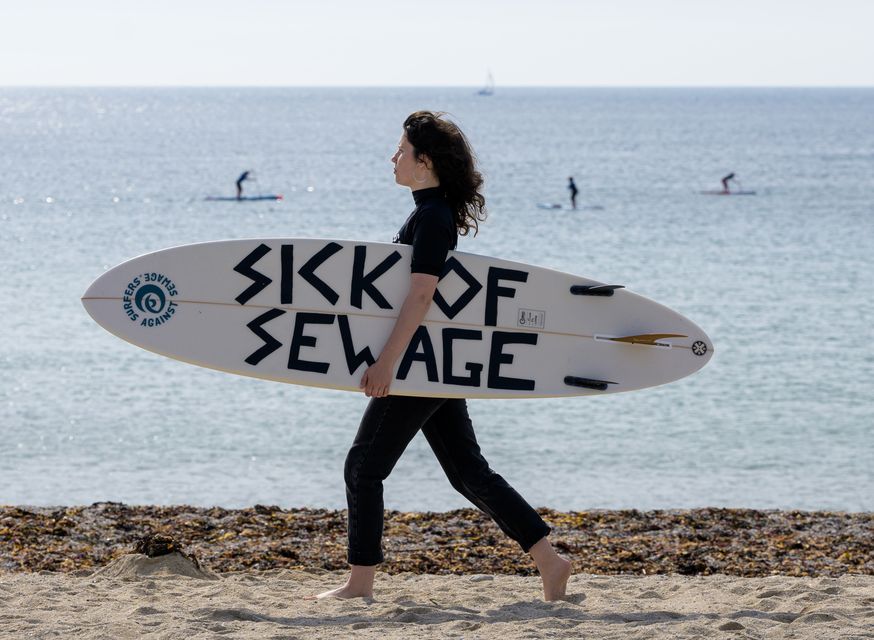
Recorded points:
(454, 163)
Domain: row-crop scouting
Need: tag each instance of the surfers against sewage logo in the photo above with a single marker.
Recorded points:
(147, 299)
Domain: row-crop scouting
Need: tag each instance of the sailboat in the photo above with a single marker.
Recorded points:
(489, 89)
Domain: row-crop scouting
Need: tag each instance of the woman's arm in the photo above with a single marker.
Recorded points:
(377, 379)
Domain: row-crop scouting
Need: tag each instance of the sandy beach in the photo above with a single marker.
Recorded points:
(114, 571)
(168, 597)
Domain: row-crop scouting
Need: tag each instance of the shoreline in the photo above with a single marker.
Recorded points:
(689, 542)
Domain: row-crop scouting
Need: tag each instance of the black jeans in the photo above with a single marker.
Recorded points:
(388, 426)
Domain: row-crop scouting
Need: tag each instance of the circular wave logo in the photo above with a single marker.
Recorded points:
(148, 300)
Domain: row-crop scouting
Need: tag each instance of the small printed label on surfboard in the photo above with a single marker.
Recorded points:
(699, 348)
(531, 319)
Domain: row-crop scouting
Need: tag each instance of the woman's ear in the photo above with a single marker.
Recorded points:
(426, 160)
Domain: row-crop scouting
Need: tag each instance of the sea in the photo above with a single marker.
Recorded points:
(782, 281)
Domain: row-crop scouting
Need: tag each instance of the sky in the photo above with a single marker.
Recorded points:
(437, 42)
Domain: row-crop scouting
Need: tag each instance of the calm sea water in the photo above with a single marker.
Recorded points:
(783, 282)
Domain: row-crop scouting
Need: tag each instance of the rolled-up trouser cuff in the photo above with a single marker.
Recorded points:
(364, 560)
(527, 544)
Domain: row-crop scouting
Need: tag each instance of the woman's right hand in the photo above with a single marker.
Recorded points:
(376, 381)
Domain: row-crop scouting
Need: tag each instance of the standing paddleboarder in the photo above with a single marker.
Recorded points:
(435, 161)
(572, 187)
(243, 177)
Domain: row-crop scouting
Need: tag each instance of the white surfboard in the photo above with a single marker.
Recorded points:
(317, 312)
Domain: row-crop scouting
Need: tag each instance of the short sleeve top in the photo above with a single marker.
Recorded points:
(430, 228)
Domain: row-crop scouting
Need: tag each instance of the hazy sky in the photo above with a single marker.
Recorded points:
(437, 42)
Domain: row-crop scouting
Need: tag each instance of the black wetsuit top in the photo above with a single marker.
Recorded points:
(431, 230)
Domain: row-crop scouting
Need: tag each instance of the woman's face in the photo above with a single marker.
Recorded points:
(406, 165)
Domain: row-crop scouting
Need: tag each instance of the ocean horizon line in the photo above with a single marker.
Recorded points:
(752, 87)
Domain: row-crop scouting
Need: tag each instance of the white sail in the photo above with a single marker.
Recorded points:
(489, 89)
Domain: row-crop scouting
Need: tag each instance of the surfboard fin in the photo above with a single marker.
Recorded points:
(587, 383)
(648, 338)
(595, 290)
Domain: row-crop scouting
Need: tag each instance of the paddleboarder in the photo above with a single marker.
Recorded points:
(246, 175)
(434, 160)
(725, 181)
(572, 186)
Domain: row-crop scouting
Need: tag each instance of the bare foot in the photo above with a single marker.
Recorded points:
(554, 570)
(358, 585)
(345, 592)
(555, 577)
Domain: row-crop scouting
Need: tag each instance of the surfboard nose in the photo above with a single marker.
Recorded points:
(90, 292)
(100, 287)
(107, 289)
(90, 298)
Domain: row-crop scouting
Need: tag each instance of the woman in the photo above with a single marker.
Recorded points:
(436, 162)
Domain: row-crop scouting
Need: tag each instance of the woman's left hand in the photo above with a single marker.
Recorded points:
(376, 381)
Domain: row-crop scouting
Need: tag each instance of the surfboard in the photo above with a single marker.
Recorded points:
(272, 196)
(318, 312)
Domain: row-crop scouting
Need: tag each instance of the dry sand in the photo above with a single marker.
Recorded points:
(169, 597)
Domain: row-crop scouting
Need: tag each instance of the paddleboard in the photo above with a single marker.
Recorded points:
(555, 205)
(727, 193)
(317, 312)
(272, 196)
